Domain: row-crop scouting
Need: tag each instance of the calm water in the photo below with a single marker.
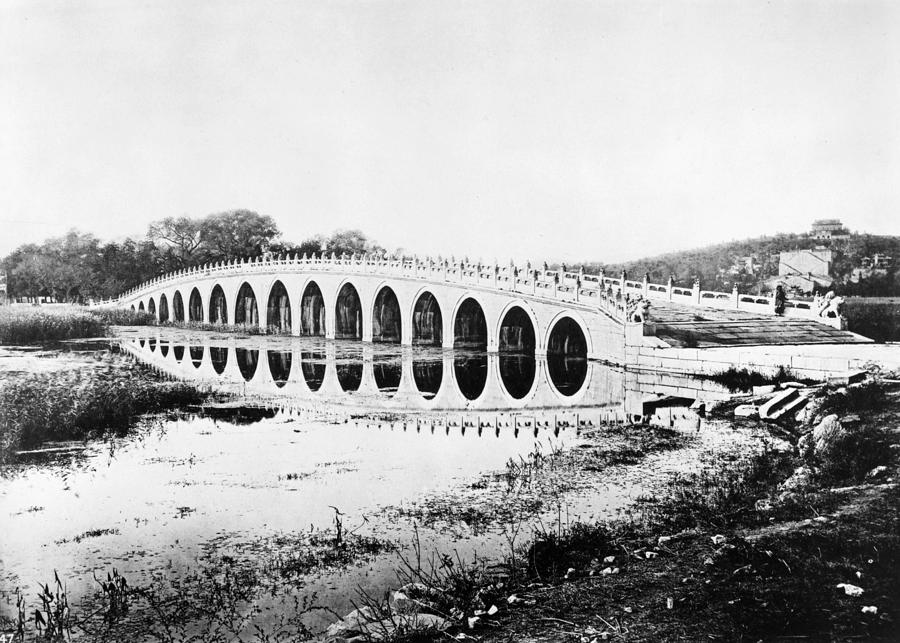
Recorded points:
(373, 430)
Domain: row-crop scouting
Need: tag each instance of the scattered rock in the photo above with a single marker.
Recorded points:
(877, 474)
(869, 609)
(746, 411)
(513, 599)
(473, 621)
(799, 481)
(649, 555)
(850, 590)
(609, 560)
(826, 434)
(493, 609)
(662, 540)
(764, 390)
(718, 539)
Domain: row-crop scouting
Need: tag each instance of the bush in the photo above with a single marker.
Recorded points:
(36, 325)
(852, 454)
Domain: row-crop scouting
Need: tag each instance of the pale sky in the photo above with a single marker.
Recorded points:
(557, 130)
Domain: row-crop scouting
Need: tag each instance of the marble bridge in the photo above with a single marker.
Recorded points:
(460, 304)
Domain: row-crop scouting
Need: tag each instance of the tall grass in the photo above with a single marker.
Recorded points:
(72, 405)
(34, 325)
(124, 317)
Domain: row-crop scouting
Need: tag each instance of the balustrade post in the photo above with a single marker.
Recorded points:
(623, 277)
(696, 291)
(646, 285)
(735, 297)
(534, 277)
(496, 272)
(555, 284)
(669, 285)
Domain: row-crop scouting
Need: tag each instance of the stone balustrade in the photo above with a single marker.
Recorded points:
(610, 294)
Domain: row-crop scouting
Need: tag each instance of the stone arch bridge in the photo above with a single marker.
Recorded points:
(451, 304)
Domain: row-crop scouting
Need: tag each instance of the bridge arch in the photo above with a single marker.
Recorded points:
(427, 325)
(348, 313)
(516, 346)
(218, 306)
(278, 308)
(151, 307)
(568, 347)
(246, 310)
(386, 316)
(141, 306)
(195, 306)
(177, 307)
(132, 307)
(163, 308)
(312, 310)
(470, 327)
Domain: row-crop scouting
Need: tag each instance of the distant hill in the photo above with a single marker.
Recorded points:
(751, 262)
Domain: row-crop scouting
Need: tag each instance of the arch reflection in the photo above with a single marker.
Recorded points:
(279, 366)
(178, 353)
(388, 373)
(567, 356)
(428, 376)
(196, 353)
(471, 373)
(312, 365)
(247, 361)
(219, 358)
(350, 371)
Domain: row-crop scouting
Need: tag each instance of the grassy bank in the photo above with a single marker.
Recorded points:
(21, 325)
(74, 405)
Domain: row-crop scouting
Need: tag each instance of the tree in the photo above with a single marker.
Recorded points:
(235, 234)
(350, 242)
(181, 237)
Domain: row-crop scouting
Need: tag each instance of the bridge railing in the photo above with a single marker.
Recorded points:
(617, 296)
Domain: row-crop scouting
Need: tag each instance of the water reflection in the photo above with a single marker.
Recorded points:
(388, 373)
(313, 367)
(428, 375)
(196, 353)
(567, 373)
(350, 370)
(247, 360)
(517, 373)
(381, 376)
(219, 358)
(279, 366)
(471, 373)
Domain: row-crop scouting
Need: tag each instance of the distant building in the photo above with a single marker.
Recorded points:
(828, 229)
(805, 271)
(800, 262)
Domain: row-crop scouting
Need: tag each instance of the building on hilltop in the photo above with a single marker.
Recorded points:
(828, 229)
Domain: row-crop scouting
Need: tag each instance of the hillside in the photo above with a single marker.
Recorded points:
(749, 263)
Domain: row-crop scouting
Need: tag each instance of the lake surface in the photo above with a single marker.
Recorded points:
(381, 433)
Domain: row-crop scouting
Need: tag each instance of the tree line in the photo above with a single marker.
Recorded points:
(78, 266)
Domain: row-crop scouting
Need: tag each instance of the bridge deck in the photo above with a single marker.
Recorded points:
(702, 327)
